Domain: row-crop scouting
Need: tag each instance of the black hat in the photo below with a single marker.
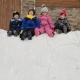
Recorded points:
(15, 12)
(33, 11)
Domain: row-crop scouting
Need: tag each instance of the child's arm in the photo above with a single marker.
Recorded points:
(39, 19)
(59, 23)
(20, 21)
(56, 23)
(37, 23)
(10, 25)
(67, 24)
(50, 22)
(23, 24)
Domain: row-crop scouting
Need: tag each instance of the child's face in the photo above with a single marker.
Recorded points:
(31, 13)
(44, 13)
(16, 16)
(62, 16)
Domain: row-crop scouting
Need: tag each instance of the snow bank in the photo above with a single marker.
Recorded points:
(42, 58)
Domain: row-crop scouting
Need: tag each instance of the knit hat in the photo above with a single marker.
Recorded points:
(63, 12)
(44, 8)
(34, 12)
(15, 12)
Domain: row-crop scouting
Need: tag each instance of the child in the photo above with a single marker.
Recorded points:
(15, 24)
(28, 25)
(46, 23)
(62, 25)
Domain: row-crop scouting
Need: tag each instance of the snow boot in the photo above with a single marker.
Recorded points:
(65, 29)
(15, 33)
(51, 34)
(9, 33)
(29, 35)
(58, 31)
(36, 31)
(23, 36)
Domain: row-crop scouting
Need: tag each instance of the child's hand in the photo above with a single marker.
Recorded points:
(21, 31)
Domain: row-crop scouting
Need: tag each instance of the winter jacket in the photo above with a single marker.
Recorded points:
(61, 22)
(46, 21)
(14, 24)
(30, 23)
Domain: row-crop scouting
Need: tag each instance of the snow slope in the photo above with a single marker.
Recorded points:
(42, 58)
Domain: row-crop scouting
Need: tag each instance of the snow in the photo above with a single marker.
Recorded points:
(42, 58)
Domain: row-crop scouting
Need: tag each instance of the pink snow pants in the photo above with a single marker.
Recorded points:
(45, 29)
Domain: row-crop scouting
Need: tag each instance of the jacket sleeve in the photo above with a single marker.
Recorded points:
(59, 23)
(39, 19)
(56, 23)
(23, 24)
(50, 22)
(67, 24)
(37, 23)
(10, 25)
(20, 21)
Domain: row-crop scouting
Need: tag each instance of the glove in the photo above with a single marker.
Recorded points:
(21, 31)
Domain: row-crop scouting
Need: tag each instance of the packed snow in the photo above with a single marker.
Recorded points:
(43, 58)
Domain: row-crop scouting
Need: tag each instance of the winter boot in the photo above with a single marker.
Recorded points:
(51, 34)
(58, 31)
(65, 29)
(9, 33)
(36, 31)
(15, 33)
(29, 35)
(23, 36)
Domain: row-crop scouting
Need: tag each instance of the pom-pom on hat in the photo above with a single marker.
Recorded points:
(44, 8)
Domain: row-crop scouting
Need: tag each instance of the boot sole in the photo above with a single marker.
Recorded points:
(58, 31)
(36, 32)
(65, 29)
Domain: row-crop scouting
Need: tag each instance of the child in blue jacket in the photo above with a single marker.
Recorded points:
(15, 24)
(28, 25)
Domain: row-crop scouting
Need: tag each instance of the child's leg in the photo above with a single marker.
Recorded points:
(68, 30)
(9, 33)
(49, 31)
(36, 31)
(31, 33)
(24, 34)
(65, 29)
(18, 30)
(15, 33)
(58, 29)
(39, 31)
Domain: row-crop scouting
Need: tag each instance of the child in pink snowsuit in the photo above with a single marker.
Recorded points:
(46, 24)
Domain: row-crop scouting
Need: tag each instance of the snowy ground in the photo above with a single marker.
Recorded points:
(42, 58)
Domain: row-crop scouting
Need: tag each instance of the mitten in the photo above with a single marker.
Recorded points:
(21, 31)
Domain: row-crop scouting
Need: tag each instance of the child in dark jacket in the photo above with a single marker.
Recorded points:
(62, 25)
(15, 24)
(28, 25)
